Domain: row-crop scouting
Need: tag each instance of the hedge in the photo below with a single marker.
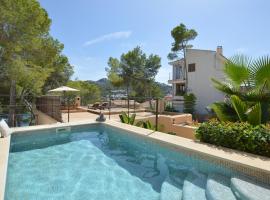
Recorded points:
(236, 135)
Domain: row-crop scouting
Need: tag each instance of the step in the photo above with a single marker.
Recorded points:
(245, 188)
(178, 173)
(218, 187)
(170, 190)
(194, 186)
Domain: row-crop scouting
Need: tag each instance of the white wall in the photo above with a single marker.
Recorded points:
(208, 65)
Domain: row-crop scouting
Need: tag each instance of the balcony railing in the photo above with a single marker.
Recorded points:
(179, 93)
(182, 81)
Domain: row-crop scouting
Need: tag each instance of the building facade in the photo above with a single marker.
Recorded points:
(202, 65)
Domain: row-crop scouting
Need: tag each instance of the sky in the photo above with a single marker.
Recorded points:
(94, 30)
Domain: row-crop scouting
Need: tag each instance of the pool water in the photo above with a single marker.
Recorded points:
(98, 162)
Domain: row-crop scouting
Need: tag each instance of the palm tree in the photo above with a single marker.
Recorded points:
(247, 79)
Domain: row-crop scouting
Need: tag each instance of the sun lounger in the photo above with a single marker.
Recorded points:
(104, 105)
(94, 106)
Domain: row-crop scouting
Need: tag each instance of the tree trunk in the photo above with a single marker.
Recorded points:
(186, 70)
(12, 104)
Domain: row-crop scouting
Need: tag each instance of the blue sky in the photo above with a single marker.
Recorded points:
(94, 30)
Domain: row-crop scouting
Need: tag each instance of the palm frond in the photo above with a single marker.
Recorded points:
(237, 69)
(149, 125)
(132, 119)
(124, 118)
(240, 107)
(254, 114)
(265, 111)
(226, 88)
(261, 72)
(253, 95)
(224, 112)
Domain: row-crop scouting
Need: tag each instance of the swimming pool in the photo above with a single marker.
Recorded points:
(102, 162)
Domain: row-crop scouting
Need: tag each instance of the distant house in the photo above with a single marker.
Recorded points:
(202, 65)
(118, 94)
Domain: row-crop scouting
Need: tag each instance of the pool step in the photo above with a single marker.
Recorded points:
(194, 186)
(170, 190)
(218, 187)
(245, 188)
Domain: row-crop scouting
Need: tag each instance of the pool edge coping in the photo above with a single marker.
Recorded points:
(4, 153)
(234, 157)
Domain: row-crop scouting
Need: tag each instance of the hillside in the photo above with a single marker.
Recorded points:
(105, 84)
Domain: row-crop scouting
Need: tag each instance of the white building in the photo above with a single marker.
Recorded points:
(202, 66)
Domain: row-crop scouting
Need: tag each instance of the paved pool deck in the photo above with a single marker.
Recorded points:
(82, 116)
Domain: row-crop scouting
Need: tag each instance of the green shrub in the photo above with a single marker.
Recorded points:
(127, 119)
(189, 103)
(169, 107)
(236, 135)
(148, 125)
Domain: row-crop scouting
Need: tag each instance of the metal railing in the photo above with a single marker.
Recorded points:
(23, 110)
(152, 107)
(144, 107)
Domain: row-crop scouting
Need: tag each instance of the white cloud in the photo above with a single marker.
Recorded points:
(110, 36)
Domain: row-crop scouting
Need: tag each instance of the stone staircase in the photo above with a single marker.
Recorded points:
(198, 186)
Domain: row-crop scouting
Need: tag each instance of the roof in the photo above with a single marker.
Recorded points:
(180, 61)
(220, 55)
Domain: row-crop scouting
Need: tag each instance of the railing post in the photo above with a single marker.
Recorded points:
(128, 104)
(68, 109)
(156, 128)
(110, 103)
(13, 119)
(134, 105)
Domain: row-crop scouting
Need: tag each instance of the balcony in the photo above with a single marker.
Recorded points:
(180, 81)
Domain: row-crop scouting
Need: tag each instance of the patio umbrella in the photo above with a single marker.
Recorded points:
(64, 89)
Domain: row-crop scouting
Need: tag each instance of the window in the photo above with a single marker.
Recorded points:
(178, 71)
(191, 67)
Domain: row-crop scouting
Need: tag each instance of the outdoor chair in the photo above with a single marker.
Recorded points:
(94, 106)
(104, 105)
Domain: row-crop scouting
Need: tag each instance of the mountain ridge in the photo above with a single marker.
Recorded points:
(104, 83)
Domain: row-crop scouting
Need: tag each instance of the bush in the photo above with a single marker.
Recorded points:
(236, 135)
(189, 103)
(127, 119)
(169, 107)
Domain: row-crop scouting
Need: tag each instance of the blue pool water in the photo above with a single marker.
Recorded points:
(98, 162)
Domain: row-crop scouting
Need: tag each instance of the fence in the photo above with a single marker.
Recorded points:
(26, 113)
(145, 108)
(50, 105)
(142, 107)
(22, 113)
